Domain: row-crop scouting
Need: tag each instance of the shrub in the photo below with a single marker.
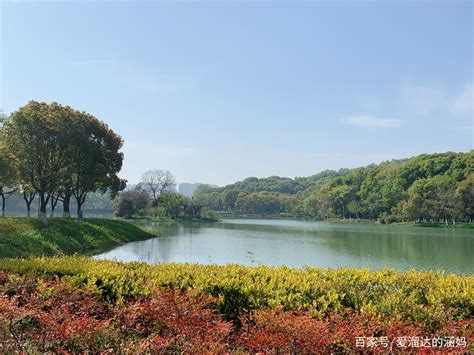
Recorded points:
(429, 297)
(41, 314)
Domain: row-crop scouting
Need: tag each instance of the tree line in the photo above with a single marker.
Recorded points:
(56, 153)
(428, 187)
(155, 197)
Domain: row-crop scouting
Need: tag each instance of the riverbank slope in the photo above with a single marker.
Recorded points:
(23, 237)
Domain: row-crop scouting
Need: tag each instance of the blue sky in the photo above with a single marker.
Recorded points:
(216, 91)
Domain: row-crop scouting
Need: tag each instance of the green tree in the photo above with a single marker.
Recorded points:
(464, 199)
(37, 136)
(376, 191)
(421, 199)
(96, 161)
(124, 207)
(192, 209)
(131, 202)
(8, 176)
(172, 203)
(444, 197)
(354, 207)
(229, 198)
(61, 151)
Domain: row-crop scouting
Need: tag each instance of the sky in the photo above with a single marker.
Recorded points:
(216, 91)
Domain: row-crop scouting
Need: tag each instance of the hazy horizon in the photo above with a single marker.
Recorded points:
(216, 92)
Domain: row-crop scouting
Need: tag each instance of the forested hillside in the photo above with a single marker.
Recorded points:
(429, 187)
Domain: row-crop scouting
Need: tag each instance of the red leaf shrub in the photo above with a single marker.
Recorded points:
(284, 332)
(174, 321)
(63, 319)
(298, 332)
(3, 278)
(51, 316)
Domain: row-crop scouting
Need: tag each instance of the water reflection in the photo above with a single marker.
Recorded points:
(297, 243)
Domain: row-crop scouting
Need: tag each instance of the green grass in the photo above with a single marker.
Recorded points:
(24, 237)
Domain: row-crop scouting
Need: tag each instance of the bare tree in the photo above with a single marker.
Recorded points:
(158, 181)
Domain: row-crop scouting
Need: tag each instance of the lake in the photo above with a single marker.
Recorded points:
(299, 243)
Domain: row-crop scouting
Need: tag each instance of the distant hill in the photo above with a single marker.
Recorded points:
(435, 187)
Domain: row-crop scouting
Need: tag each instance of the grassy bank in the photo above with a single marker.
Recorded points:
(22, 237)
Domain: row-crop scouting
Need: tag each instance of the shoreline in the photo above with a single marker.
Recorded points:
(462, 225)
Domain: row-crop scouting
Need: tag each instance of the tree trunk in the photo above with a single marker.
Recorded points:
(28, 208)
(79, 202)
(42, 211)
(3, 205)
(66, 202)
(28, 197)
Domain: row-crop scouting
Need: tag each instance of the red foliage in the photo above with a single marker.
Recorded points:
(299, 332)
(3, 278)
(174, 321)
(65, 319)
(284, 332)
(54, 317)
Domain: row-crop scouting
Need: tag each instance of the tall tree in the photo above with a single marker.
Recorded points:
(96, 160)
(61, 150)
(37, 135)
(8, 168)
(158, 181)
(8, 177)
(130, 202)
(464, 199)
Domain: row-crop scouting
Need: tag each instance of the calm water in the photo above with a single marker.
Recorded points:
(298, 243)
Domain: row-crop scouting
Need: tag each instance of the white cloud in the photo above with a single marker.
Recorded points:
(463, 103)
(371, 121)
(424, 100)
